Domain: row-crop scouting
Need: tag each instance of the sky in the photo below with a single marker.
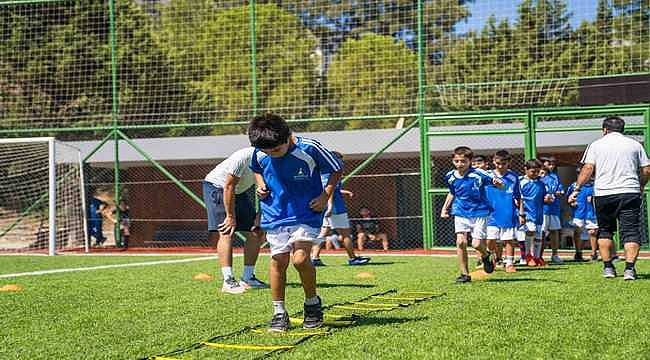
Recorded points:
(482, 9)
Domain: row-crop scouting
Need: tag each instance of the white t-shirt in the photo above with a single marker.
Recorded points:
(237, 164)
(617, 160)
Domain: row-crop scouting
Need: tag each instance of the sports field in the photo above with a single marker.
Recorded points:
(560, 312)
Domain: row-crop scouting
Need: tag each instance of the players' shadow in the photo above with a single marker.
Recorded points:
(508, 280)
(372, 320)
(546, 268)
(378, 263)
(330, 285)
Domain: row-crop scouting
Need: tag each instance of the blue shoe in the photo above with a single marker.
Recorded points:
(317, 262)
(359, 260)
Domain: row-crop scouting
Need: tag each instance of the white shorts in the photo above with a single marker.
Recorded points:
(529, 227)
(337, 221)
(587, 224)
(501, 234)
(281, 239)
(475, 226)
(551, 222)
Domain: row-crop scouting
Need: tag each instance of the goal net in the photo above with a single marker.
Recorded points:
(41, 196)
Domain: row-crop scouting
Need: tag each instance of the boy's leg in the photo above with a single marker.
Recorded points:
(593, 242)
(461, 252)
(361, 239)
(347, 241)
(278, 279)
(509, 255)
(577, 242)
(479, 228)
(305, 268)
(316, 248)
(384, 240)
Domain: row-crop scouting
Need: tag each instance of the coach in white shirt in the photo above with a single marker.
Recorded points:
(622, 170)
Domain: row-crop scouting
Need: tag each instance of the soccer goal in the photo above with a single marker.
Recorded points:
(42, 205)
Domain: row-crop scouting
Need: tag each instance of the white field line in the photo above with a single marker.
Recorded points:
(101, 267)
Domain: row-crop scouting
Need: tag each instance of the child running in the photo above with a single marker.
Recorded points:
(288, 173)
(469, 207)
(502, 223)
(531, 211)
(584, 218)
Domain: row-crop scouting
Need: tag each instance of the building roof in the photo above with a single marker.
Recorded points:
(353, 143)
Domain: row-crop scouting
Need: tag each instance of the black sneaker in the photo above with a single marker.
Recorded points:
(317, 262)
(488, 263)
(594, 257)
(463, 279)
(578, 257)
(313, 315)
(279, 323)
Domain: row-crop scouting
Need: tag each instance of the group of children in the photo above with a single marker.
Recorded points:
(297, 182)
(499, 210)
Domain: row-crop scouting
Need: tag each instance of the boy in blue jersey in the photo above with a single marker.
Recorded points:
(531, 211)
(502, 223)
(336, 219)
(288, 172)
(584, 218)
(469, 207)
(552, 212)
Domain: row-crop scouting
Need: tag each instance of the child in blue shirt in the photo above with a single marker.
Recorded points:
(531, 211)
(469, 207)
(288, 172)
(584, 218)
(502, 223)
(552, 212)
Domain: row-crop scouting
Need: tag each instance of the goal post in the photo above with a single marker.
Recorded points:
(42, 201)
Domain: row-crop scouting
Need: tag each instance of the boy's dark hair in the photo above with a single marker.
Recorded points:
(549, 158)
(268, 131)
(503, 155)
(614, 124)
(464, 151)
(533, 164)
(479, 158)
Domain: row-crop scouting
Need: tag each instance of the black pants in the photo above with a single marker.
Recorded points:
(626, 208)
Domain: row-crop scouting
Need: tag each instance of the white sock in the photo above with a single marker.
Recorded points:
(278, 307)
(510, 260)
(538, 248)
(311, 300)
(226, 271)
(249, 271)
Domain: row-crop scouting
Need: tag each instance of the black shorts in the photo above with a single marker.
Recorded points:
(626, 208)
(244, 208)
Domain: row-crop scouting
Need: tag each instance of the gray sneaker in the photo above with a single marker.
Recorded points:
(629, 274)
(609, 272)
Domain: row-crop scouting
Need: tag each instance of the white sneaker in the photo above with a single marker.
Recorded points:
(555, 259)
(232, 286)
(253, 283)
(522, 261)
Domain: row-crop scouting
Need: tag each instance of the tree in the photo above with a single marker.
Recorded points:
(374, 75)
(211, 51)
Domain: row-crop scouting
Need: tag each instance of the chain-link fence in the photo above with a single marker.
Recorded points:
(174, 82)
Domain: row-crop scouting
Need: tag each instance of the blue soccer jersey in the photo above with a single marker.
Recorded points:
(532, 194)
(553, 185)
(584, 209)
(502, 201)
(469, 192)
(293, 181)
(338, 204)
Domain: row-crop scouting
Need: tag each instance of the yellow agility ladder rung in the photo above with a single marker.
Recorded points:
(342, 307)
(248, 347)
(327, 322)
(411, 299)
(298, 333)
(386, 306)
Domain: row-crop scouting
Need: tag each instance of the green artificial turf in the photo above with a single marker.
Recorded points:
(559, 312)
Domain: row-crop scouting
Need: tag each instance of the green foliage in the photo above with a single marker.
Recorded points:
(374, 75)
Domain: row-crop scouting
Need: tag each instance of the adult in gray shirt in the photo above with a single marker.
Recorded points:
(622, 171)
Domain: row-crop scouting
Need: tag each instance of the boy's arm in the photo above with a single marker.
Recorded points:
(261, 190)
(522, 213)
(227, 227)
(444, 212)
(318, 204)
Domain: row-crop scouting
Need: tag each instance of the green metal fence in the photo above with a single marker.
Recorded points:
(400, 76)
